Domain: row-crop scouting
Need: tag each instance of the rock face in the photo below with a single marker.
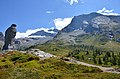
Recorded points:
(93, 23)
(1, 39)
(41, 54)
(1, 36)
(10, 33)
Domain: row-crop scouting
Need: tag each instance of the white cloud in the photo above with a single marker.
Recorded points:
(104, 11)
(30, 31)
(49, 12)
(71, 2)
(61, 23)
(100, 11)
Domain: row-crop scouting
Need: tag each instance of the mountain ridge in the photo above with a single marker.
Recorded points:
(77, 21)
(50, 32)
(91, 24)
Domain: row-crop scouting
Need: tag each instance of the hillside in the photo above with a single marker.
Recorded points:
(100, 29)
(92, 38)
(16, 65)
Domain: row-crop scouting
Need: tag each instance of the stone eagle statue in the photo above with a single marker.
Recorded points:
(10, 33)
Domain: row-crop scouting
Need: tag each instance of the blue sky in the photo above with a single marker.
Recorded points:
(35, 14)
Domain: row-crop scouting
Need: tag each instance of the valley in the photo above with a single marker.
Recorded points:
(87, 48)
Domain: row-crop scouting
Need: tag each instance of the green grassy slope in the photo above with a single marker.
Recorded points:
(92, 44)
(15, 65)
(98, 41)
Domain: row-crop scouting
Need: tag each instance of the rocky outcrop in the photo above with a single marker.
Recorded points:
(1, 36)
(10, 33)
(41, 54)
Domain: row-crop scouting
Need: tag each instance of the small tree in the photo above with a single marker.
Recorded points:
(108, 54)
(94, 60)
(99, 61)
(82, 57)
(105, 59)
(77, 57)
(118, 60)
(87, 53)
(94, 54)
(113, 59)
(98, 51)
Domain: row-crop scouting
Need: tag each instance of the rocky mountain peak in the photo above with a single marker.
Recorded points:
(92, 20)
(92, 24)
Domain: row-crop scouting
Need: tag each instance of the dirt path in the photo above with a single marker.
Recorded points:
(104, 69)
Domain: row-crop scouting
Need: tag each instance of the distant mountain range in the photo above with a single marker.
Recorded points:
(51, 33)
(39, 37)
